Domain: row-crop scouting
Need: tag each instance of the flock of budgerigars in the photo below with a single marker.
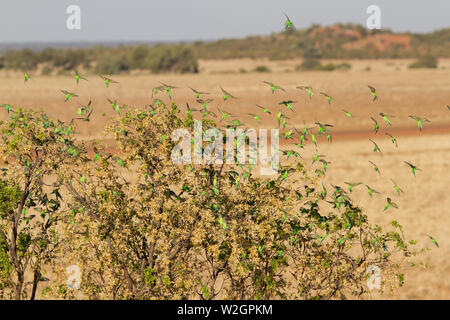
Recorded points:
(322, 129)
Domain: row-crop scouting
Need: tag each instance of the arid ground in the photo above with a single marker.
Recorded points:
(424, 205)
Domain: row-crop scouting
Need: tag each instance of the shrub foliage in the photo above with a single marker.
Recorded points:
(141, 227)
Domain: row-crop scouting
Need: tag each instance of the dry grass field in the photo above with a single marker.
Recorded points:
(424, 205)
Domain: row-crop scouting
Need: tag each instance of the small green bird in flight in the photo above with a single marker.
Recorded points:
(288, 104)
(323, 127)
(433, 240)
(394, 141)
(376, 127)
(307, 89)
(68, 95)
(168, 88)
(107, 80)
(386, 118)
(420, 121)
(227, 95)
(327, 96)
(325, 164)
(256, 117)
(348, 114)
(78, 77)
(288, 25)
(389, 204)
(273, 87)
(413, 167)
(26, 77)
(189, 110)
(352, 185)
(114, 105)
(265, 110)
(373, 92)
(376, 147)
(224, 114)
(371, 191)
(7, 107)
(204, 102)
(396, 187)
(198, 93)
(375, 167)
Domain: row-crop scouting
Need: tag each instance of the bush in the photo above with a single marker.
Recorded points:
(427, 61)
(261, 69)
(34, 148)
(176, 58)
(140, 226)
(112, 64)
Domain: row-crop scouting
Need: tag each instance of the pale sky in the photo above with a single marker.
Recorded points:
(174, 20)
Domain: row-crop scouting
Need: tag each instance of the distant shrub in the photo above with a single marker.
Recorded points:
(139, 56)
(47, 70)
(427, 61)
(178, 58)
(326, 67)
(261, 69)
(21, 60)
(332, 67)
(2, 62)
(112, 64)
(309, 64)
(344, 66)
(242, 70)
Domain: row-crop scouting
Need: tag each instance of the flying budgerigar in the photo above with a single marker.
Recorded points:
(82, 110)
(393, 140)
(375, 167)
(376, 147)
(288, 25)
(114, 105)
(371, 191)
(386, 118)
(396, 187)
(107, 80)
(307, 89)
(168, 88)
(389, 203)
(189, 110)
(433, 240)
(273, 87)
(204, 102)
(420, 121)
(265, 110)
(323, 127)
(327, 96)
(78, 77)
(198, 93)
(7, 107)
(227, 95)
(68, 95)
(288, 104)
(352, 185)
(348, 114)
(26, 77)
(224, 114)
(256, 117)
(413, 167)
(373, 92)
(376, 127)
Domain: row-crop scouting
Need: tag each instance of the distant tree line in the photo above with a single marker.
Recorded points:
(312, 44)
